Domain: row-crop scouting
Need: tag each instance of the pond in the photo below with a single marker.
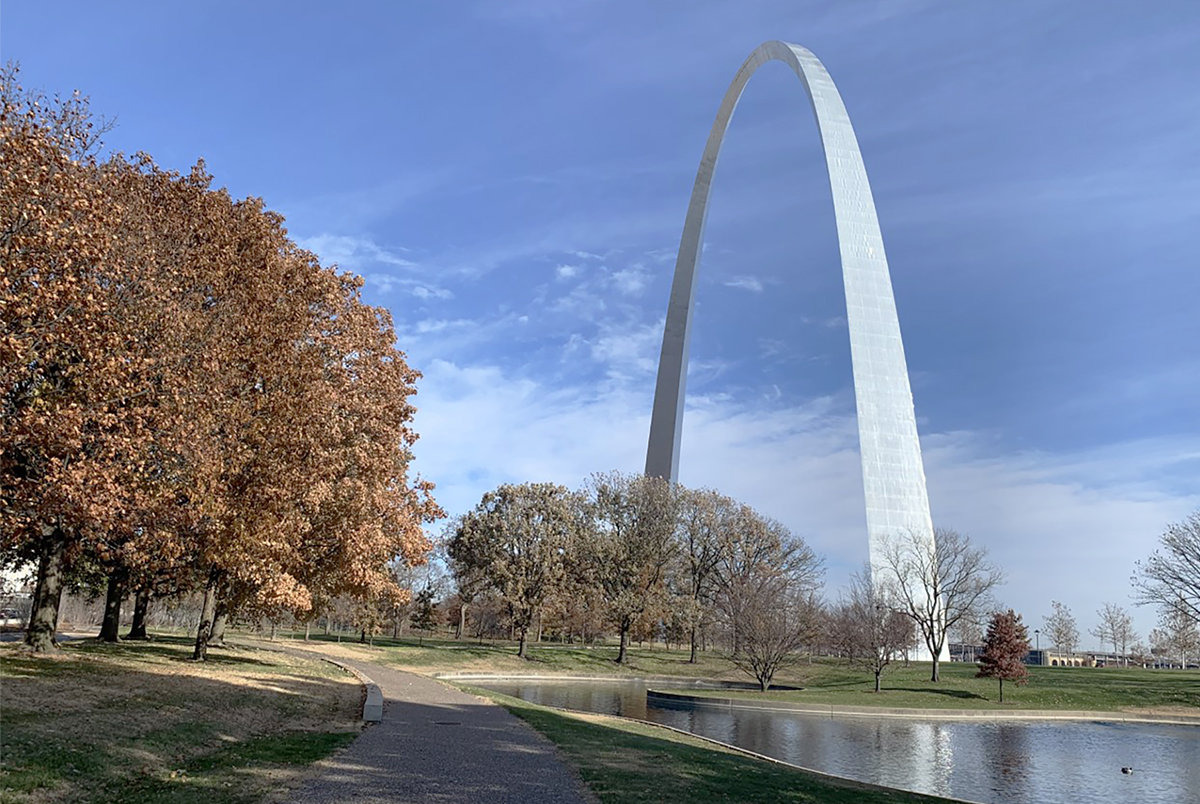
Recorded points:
(996, 762)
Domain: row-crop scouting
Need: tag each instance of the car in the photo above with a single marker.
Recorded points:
(11, 618)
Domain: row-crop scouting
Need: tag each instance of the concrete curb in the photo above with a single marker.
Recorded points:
(828, 710)
(373, 705)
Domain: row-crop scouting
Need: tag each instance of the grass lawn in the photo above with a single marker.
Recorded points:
(824, 681)
(140, 723)
(468, 656)
(1106, 689)
(625, 762)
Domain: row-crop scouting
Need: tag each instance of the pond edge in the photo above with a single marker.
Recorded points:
(832, 711)
(842, 781)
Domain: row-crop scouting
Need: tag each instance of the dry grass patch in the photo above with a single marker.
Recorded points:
(140, 722)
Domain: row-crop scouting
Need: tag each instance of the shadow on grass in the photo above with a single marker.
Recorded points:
(962, 694)
(96, 728)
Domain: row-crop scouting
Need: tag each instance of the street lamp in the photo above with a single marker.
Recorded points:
(1037, 640)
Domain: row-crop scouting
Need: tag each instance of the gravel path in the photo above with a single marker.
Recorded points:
(442, 746)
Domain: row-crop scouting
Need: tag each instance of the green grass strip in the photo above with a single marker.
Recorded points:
(628, 762)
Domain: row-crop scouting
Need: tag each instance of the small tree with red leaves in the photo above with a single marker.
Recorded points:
(1004, 649)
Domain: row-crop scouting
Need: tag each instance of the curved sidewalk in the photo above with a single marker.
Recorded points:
(439, 745)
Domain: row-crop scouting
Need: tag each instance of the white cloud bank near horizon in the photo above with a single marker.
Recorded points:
(1062, 527)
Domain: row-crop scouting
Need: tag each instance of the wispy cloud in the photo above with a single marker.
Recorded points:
(355, 253)
(429, 292)
(744, 283)
(832, 322)
(627, 351)
(630, 281)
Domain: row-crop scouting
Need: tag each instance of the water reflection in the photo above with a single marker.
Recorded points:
(999, 763)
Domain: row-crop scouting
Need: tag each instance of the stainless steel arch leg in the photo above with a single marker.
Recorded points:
(893, 474)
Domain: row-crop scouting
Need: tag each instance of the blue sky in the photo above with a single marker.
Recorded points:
(512, 178)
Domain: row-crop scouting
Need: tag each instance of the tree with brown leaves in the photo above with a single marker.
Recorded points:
(628, 546)
(1005, 647)
(516, 538)
(185, 390)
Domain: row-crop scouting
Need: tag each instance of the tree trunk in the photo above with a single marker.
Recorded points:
(936, 675)
(111, 626)
(220, 622)
(878, 673)
(521, 654)
(539, 631)
(624, 644)
(764, 683)
(692, 660)
(307, 628)
(273, 627)
(462, 621)
(141, 604)
(1001, 690)
(362, 638)
(47, 595)
(327, 625)
(207, 613)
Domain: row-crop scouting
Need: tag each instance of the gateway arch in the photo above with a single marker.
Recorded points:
(893, 474)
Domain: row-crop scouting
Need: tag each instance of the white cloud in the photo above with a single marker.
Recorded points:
(386, 283)
(429, 325)
(745, 283)
(630, 281)
(422, 291)
(583, 303)
(1066, 528)
(834, 322)
(567, 271)
(629, 350)
(354, 253)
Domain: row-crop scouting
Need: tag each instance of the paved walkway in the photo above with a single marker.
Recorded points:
(442, 746)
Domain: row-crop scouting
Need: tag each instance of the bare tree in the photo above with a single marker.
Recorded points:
(1115, 627)
(1061, 628)
(938, 584)
(1177, 637)
(1172, 575)
(967, 631)
(755, 547)
(704, 515)
(779, 613)
(869, 628)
